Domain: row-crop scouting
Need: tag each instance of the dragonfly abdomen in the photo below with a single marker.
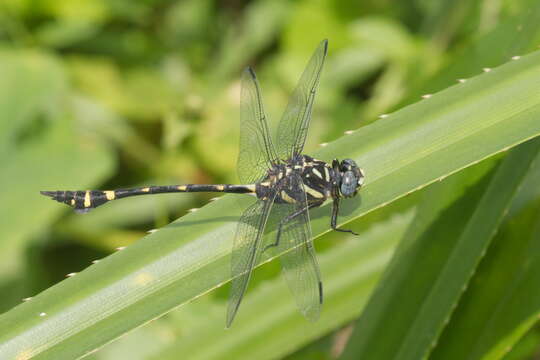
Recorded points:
(83, 201)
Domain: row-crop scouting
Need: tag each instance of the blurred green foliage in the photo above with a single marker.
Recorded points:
(118, 93)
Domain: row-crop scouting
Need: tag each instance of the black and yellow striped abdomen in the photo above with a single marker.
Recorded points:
(83, 201)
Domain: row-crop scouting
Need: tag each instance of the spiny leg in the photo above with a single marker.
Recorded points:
(298, 259)
(333, 221)
(285, 220)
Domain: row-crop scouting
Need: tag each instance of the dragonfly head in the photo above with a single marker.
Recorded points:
(351, 177)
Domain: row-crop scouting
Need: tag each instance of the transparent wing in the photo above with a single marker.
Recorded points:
(247, 248)
(299, 263)
(294, 124)
(256, 149)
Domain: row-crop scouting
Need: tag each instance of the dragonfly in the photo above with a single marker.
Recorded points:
(285, 182)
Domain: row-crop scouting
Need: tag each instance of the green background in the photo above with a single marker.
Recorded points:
(102, 94)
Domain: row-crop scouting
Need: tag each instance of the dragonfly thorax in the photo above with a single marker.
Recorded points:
(317, 176)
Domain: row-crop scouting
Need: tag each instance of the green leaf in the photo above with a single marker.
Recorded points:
(527, 346)
(503, 300)
(430, 270)
(351, 270)
(408, 150)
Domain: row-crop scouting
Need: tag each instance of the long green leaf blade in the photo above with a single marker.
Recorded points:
(503, 299)
(429, 310)
(351, 270)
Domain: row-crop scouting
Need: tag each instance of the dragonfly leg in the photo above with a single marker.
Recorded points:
(283, 222)
(333, 221)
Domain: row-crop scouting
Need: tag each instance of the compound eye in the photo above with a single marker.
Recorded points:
(361, 177)
(349, 183)
(347, 164)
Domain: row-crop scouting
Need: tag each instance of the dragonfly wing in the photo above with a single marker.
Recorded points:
(247, 248)
(257, 151)
(294, 124)
(299, 261)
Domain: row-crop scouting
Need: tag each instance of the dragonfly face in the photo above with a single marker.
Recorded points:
(350, 179)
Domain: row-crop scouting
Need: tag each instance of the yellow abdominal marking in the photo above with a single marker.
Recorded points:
(182, 187)
(313, 192)
(251, 187)
(266, 184)
(87, 202)
(316, 172)
(145, 189)
(109, 195)
(72, 202)
(287, 198)
(220, 187)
